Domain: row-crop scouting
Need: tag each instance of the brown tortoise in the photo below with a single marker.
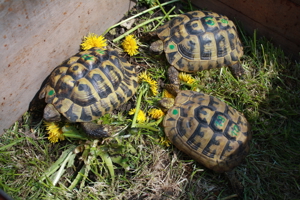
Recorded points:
(88, 85)
(208, 130)
(200, 40)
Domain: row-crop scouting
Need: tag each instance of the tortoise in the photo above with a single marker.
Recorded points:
(207, 129)
(200, 40)
(88, 85)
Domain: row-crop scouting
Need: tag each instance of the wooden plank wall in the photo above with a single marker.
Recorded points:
(277, 20)
(36, 36)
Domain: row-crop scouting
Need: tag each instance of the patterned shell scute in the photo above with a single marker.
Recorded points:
(89, 84)
(208, 130)
(200, 40)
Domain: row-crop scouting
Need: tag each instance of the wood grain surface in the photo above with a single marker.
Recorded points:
(36, 36)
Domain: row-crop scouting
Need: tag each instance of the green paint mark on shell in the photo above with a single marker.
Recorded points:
(224, 21)
(220, 121)
(235, 130)
(171, 46)
(209, 21)
(175, 112)
(100, 51)
(87, 57)
(51, 92)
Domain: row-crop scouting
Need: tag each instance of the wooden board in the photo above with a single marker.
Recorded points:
(36, 36)
(277, 20)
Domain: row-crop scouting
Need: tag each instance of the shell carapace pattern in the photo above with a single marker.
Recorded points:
(208, 130)
(200, 40)
(90, 84)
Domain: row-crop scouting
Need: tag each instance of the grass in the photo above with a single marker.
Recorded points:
(140, 164)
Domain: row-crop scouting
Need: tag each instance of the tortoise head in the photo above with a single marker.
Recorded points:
(157, 47)
(51, 114)
(166, 103)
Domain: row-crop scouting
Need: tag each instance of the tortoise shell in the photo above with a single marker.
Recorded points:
(208, 130)
(200, 40)
(90, 84)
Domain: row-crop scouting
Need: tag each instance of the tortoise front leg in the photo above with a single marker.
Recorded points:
(173, 87)
(237, 70)
(173, 76)
(95, 130)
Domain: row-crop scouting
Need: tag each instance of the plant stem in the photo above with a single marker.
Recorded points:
(166, 16)
(146, 126)
(138, 26)
(64, 156)
(61, 170)
(150, 125)
(108, 162)
(137, 108)
(77, 179)
(145, 11)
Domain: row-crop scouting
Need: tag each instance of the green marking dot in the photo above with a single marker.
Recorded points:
(225, 21)
(172, 46)
(175, 112)
(51, 92)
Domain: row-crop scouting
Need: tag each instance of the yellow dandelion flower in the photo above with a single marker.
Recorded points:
(154, 89)
(93, 40)
(54, 131)
(153, 84)
(167, 94)
(132, 111)
(130, 45)
(164, 141)
(141, 117)
(143, 76)
(156, 113)
(186, 78)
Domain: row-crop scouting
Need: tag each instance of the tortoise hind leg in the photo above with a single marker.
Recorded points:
(173, 76)
(237, 70)
(173, 87)
(95, 130)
